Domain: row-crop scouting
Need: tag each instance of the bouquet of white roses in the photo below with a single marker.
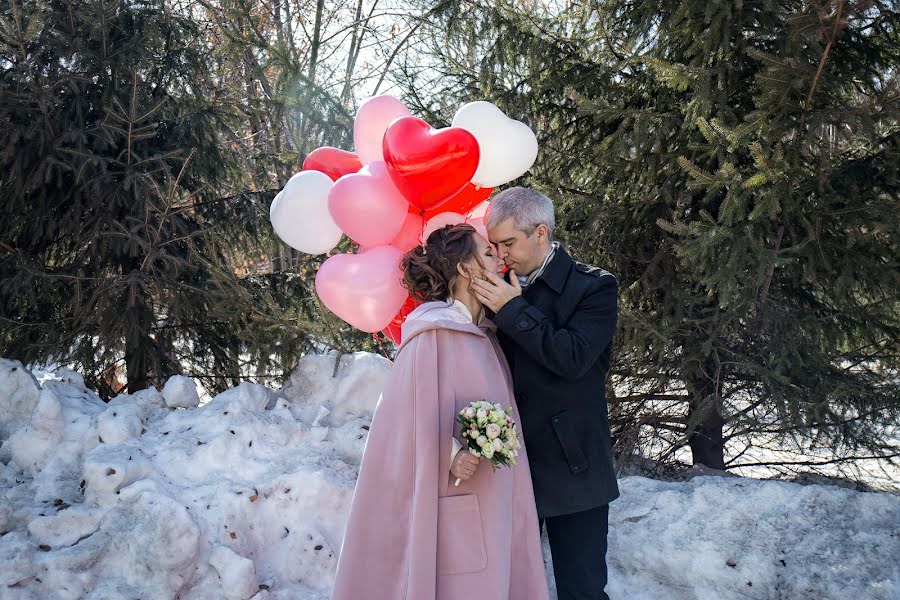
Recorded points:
(489, 432)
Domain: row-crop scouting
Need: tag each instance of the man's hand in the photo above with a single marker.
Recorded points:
(493, 291)
(464, 465)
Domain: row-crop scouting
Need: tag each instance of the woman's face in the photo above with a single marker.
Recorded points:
(486, 253)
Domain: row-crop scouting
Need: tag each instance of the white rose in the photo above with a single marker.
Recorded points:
(498, 445)
(481, 441)
(481, 414)
(493, 431)
(488, 451)
(470, 413)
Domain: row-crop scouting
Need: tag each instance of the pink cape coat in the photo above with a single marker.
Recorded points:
(411, 534)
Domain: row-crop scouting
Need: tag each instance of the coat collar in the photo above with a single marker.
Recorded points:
(557, 270)
(442, 315)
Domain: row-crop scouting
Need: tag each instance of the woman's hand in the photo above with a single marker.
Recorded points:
(464, 465)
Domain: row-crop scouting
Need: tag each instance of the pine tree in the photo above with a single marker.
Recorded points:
(735, 164)
(121, 231)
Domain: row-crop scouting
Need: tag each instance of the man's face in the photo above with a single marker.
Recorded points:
(519, 251)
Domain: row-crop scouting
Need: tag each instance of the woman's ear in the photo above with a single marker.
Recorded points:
(463, 270)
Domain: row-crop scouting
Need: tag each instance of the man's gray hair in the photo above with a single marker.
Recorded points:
(528, 208)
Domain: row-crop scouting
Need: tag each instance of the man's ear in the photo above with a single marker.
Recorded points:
(542, 232)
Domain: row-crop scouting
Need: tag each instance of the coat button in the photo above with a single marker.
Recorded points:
(556, 419)
(523, 324)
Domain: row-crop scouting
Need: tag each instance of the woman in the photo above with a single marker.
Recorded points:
(412, 534)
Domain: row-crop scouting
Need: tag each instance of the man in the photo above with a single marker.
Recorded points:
(555, 319)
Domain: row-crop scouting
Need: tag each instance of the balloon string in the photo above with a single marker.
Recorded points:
(381, 347)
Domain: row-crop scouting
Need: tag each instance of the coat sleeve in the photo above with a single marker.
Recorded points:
(390, 543)
(568, 351)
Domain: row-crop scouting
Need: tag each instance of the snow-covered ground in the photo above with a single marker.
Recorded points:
(153, 496)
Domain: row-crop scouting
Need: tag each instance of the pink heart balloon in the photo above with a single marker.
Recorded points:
(363, 289)
(410, 234)
(372, 119)
(481, 210)
(367, 206)
(477, 218)
(441, 220)
(480, 227)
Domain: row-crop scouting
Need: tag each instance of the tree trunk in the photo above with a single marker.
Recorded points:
(235, 348)
(137, 320)
(706, 441)
(705, 436)
(137, 348)
(316, 41)
(136, 374)
(311, 73)
(353, 54)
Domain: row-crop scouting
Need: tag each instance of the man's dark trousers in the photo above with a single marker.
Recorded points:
(557, 338)
(578, 547)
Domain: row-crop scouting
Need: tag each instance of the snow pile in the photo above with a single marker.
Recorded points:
(732, 537)
(155, 496)
(151, 496)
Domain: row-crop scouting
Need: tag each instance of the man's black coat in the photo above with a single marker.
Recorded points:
(557, 338)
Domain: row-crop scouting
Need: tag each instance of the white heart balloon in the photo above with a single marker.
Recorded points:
(508, 147)
(299, 214)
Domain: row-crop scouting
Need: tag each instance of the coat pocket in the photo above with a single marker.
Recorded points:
(460, 536)
(566, 432)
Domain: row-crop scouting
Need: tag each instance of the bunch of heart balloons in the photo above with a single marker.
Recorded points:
(405, 180)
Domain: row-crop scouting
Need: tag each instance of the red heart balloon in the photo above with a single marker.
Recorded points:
(429, 166)
(393, 330)
(470, 197)
(334, 162)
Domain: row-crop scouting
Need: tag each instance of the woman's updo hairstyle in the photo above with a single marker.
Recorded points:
(430, 270)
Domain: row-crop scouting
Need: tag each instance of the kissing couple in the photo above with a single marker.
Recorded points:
(430, 519)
